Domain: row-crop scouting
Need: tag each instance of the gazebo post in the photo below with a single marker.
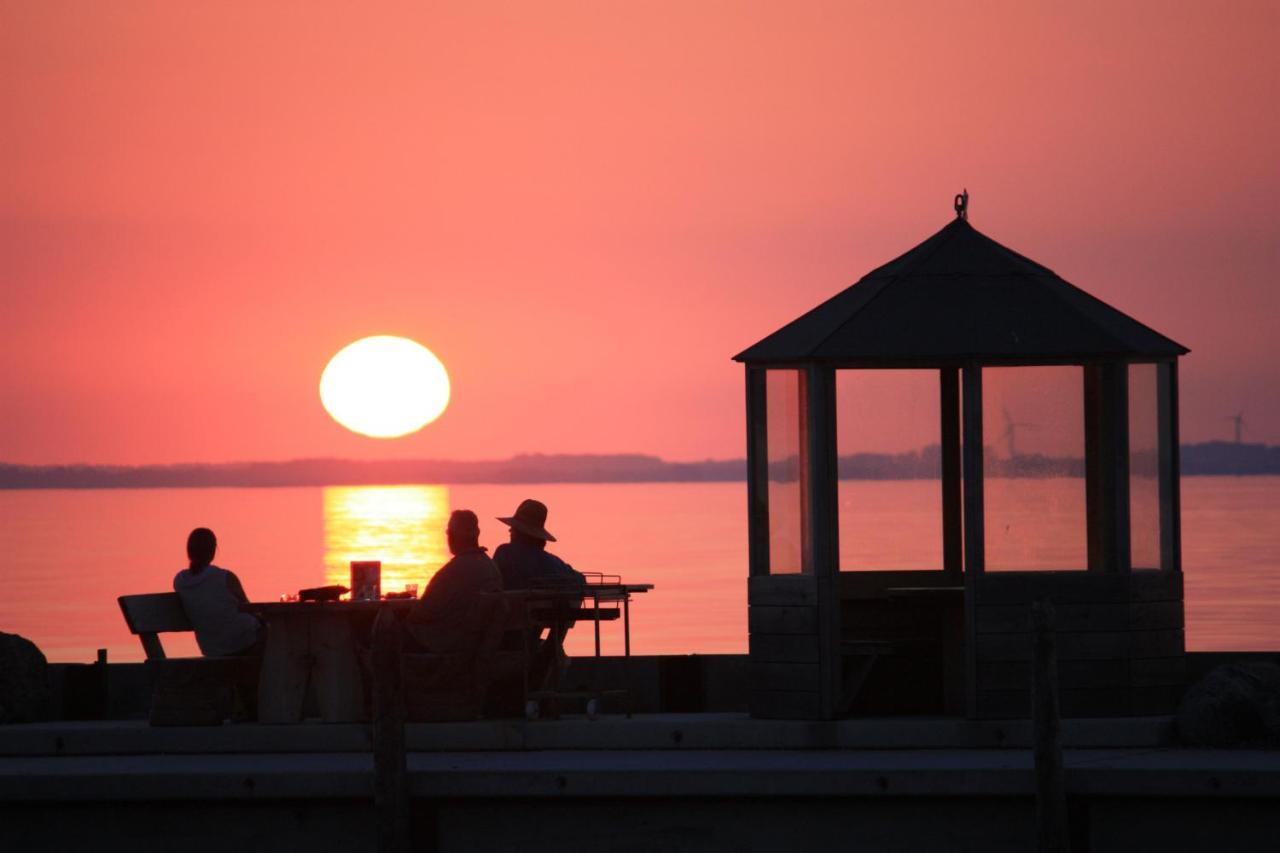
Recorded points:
(757, 474)
(822, 531)
(1106, 408)
(973, 525)
(952, 497)
(1169, 466)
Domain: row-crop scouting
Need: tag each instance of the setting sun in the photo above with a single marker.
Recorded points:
(384, 386)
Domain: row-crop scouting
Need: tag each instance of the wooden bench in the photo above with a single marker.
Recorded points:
(439, 687)
(186, 691)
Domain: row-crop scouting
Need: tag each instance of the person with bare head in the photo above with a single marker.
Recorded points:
(212, 597)
(451, 615)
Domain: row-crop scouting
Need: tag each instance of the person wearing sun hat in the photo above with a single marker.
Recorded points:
(525, 562)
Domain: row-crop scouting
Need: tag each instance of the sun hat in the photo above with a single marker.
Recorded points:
(530, 519)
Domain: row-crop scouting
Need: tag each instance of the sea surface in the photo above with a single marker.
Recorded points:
(67, 554)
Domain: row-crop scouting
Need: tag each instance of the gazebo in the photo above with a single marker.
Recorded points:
(1088, 520)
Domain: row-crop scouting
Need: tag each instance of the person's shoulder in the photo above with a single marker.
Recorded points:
(502, 550)
(180, 579)
(554, 559)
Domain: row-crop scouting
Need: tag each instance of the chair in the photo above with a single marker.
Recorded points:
(440, 687)
(185, 691)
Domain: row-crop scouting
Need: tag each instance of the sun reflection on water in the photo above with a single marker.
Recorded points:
(403, 526)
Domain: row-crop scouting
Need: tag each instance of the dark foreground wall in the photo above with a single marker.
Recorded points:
(642, 826)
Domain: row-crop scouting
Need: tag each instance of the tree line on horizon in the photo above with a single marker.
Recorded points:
(1209, 458)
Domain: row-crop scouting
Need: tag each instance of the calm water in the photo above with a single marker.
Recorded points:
(68, 554)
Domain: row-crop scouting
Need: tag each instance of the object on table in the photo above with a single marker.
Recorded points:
(322, 593)
(397, 595)
(366, 580)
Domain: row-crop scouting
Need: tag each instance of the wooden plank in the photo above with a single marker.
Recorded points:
(1072, 674)
(875, 584)
(1060, 587)
(782, 591)
(784, 705)
(1016, 704)
(1157, 615)
(1155, 700)
(783, 648)
(1014, 618)
(1158, 672)
(1097, 702)
(390, 771)
(757, 474)
(1150, 585)
(152, 613)
(782, 620)
(784, 676)
(1157, 644)
(1081, 645)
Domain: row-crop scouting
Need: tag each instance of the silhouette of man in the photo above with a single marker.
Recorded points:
(211, 597)
(526, 563)
(450, 617)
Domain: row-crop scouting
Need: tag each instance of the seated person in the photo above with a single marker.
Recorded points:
(526, 563)
(452, 615)
(211, 597)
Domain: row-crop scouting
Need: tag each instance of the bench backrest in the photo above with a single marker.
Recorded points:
(153, 613)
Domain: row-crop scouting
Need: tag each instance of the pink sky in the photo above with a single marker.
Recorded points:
(586, 209)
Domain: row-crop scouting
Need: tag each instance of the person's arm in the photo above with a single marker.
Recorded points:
(237, 589)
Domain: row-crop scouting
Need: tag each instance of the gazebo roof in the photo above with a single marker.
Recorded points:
(961, 296)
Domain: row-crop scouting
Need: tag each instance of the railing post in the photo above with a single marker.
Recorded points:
(390, 772)
(1051, 794)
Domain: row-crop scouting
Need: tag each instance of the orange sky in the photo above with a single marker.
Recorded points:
(586, 209)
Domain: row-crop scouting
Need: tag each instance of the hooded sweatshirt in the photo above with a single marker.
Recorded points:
(222, 628)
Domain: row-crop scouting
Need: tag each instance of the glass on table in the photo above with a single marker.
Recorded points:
(412, 589)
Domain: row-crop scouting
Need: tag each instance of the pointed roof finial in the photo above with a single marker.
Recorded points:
(962, 205)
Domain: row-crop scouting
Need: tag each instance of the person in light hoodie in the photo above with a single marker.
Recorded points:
(211, 597)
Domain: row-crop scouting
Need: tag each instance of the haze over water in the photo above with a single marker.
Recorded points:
(68, 554)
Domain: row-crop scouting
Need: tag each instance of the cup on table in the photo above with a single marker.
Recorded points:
(412, 589)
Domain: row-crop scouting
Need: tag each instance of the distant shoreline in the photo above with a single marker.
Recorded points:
(1207, 459)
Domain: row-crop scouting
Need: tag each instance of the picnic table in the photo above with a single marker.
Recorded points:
(315, 644)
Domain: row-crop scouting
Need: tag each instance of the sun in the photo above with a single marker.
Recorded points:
(384, 386)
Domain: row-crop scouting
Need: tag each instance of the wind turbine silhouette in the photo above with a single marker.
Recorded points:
(1238, 420)
(1010, 433)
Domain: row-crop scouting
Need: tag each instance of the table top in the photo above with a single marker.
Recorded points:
(596, 591)
(319, 607)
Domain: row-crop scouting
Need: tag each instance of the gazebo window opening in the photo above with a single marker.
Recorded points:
(888, 465)
(1035, 512)
(785, 435)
